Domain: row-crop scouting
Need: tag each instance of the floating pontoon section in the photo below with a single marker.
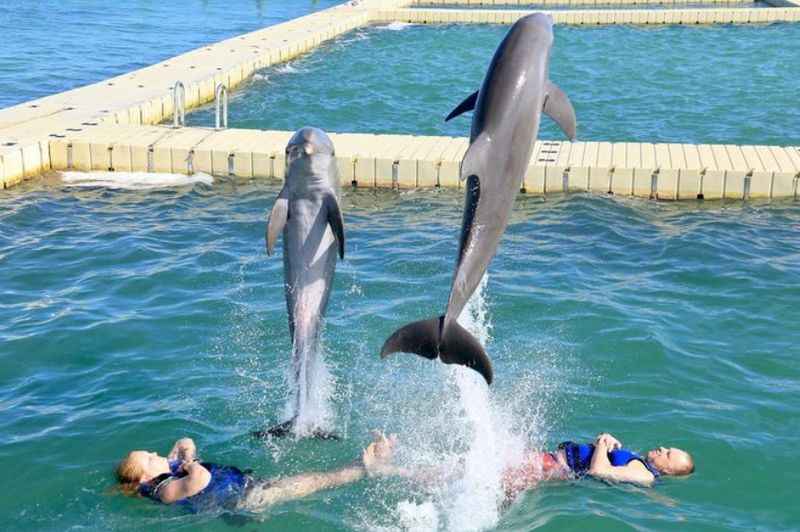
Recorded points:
(658, 171)
(597, 17)
(109, 124)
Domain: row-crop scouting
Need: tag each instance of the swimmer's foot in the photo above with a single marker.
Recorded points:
(286, 428)
(377, 457)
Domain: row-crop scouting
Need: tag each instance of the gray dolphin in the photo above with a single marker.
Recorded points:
(307, 213)
(508, 107)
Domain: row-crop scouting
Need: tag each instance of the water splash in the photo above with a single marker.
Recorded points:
(395, 26)
(477, 496)
(468, 439)
(311, 386)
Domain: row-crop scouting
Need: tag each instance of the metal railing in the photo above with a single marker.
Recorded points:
(221, 98)
(179, 105)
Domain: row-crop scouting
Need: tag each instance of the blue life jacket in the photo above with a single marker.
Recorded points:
(225, 488)
(579, 458)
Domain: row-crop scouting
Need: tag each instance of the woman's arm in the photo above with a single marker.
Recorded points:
(196, 479)
(375, 461)
(183, 450)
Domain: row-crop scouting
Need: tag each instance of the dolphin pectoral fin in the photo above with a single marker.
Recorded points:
(457, 346)
(471, 200)
(336, 222)
(467, 105)
(419, 337)
(558, 107)
(277, 219)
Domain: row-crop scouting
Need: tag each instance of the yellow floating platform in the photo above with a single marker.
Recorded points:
(659, 171)
(109, 124)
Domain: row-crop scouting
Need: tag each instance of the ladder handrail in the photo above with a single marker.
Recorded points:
(221, 97)
(179, 104)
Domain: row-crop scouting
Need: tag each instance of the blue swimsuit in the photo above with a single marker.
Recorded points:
(225, 489)
(579, 458)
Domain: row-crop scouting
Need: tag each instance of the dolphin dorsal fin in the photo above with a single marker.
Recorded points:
(277, 219)
(467, 105)
(558, 107)
(334, 215)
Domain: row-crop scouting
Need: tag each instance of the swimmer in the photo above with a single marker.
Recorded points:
(181, 479)
(605, 459)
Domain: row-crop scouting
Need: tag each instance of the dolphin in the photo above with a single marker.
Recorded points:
(505, 124)
(307, 213)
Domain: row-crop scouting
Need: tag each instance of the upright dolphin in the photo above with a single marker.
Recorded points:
(307, 213)
(508, 107)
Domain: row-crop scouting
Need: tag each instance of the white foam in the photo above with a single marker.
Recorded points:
(132, 180)
(288, 68)
(395, 26)
(415, 517)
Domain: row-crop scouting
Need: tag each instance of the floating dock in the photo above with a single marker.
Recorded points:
(111, 125)
(597, 17)
(658, 171)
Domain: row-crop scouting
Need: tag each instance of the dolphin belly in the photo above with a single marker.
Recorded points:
(310, 251)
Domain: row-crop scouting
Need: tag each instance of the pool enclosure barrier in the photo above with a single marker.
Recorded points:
(109, 124)
(658, 171)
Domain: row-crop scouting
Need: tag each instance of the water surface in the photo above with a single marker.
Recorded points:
(130, 318)
(50, 46)
(694, 84)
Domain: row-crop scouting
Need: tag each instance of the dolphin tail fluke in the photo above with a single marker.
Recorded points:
(558, 107)
(467, 105)
(455, 346)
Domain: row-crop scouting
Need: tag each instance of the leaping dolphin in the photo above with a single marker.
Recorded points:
(508, 106)
(307, 213)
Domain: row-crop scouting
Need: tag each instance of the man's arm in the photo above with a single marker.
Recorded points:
(634, 472)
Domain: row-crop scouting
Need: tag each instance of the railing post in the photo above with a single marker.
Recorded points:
(221, 97)
(179, 105)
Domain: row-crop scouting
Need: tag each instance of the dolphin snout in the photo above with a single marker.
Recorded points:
(541, 20)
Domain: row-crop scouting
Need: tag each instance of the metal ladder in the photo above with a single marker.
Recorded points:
(179, 105)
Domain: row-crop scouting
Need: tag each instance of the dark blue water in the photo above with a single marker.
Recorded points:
(50, 46)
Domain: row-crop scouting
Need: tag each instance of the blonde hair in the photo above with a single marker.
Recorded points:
(129, 472)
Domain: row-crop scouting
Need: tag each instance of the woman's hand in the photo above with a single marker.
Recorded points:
(184, 450)
(189, 467)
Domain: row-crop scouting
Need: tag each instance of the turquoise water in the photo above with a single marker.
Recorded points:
(132, 317)
(129, 318)
(50, 46)
(697, 84)
(567, 5)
